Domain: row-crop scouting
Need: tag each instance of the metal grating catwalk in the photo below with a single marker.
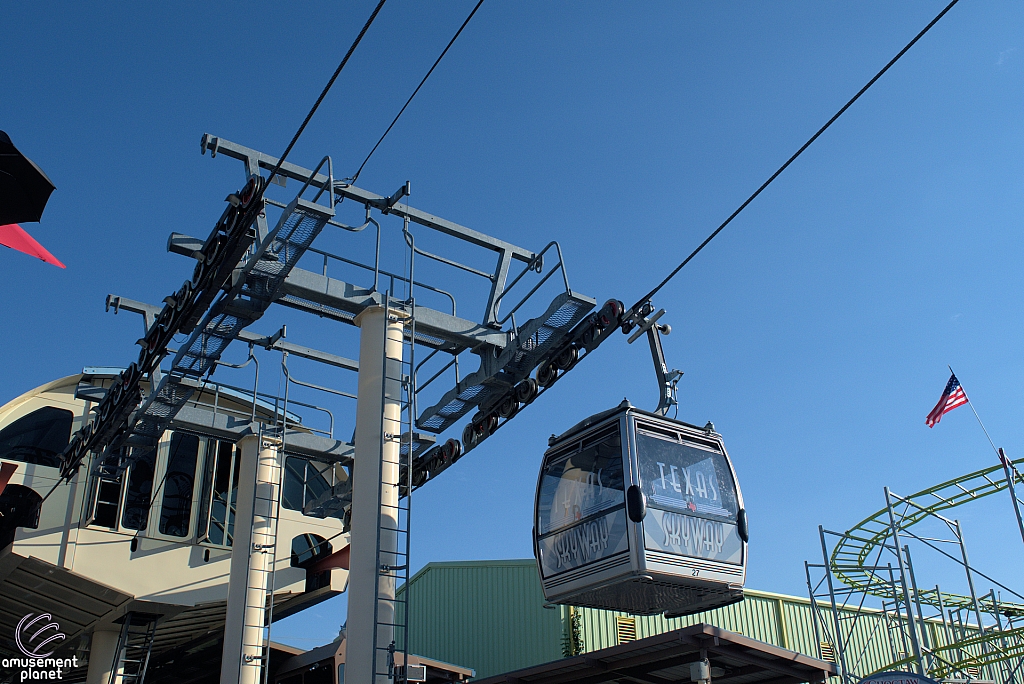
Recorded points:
(246, 302)
(534, 340)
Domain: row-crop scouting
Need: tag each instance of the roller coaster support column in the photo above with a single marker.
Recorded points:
(1010, 672)
(920, 614)
(970, 580)
(1013, 494)
(840, 645)
(814, 606)
(946, 629)
(371, 589)
(907, 601)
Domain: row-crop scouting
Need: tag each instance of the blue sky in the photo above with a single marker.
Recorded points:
(814, 332)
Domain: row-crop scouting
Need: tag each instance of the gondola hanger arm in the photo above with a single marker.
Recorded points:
(667, 379)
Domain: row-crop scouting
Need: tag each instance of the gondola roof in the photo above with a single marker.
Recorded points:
(598, 417)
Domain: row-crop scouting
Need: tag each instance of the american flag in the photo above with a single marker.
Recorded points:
(952, 397)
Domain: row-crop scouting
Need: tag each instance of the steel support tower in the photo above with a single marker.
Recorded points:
(262, 252)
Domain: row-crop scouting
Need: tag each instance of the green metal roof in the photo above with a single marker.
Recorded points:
(487, 615)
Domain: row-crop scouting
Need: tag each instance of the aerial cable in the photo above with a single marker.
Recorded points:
(402, 110)
(298, 133)
(337, 72)
(646, 297)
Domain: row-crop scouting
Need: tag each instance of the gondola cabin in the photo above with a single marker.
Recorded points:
(640, 513)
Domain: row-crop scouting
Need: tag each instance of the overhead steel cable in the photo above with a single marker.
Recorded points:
(337, 72)
(402, 110)
(789, 161)
(262, 185)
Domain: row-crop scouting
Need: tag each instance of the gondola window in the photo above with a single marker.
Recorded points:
(581, 505)
(692, 500)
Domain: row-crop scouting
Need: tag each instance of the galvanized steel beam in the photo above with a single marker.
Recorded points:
(231, 428)
(226, 147)
(270, 343)
(458, 332)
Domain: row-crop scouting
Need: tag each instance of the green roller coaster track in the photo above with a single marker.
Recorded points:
(850, 562)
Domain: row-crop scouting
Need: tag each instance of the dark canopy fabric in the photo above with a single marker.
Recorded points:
(24, 188)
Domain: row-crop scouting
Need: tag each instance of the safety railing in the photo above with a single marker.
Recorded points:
(268, 402)
(537, 266)
(290, 379)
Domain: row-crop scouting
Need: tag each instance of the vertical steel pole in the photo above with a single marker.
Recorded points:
(917, 600)
(896, 611)
(1013, 494)
(960, 627)
(374, 541)
(896, 653)
(1020, 661)
(999, 626)
(840, 646)
(907, 601)
(942, 614)
(970, 580)
(814, 607)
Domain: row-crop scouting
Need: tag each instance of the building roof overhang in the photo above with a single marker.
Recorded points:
(665, 659)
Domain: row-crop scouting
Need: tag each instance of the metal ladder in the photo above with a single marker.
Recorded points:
(391, 615)
(263, 542)
(133, 649)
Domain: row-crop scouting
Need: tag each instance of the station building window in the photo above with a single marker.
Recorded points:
(168, 475)
(309, 549)
(220, 493)
(306, 479)
(108, 499)
(38, 438)
(178, 485)
(105, 492)
(19, 507)
(138, 494)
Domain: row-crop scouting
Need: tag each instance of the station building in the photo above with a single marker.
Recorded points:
(132, 566)
(491, 616)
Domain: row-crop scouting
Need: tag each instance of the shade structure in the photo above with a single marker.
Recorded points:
(15, 237)
(24, 188)
(669, 658)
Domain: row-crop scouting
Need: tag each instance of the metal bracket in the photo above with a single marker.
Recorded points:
(667, 379)
(403, 191)
(149, 314)
(269, 342)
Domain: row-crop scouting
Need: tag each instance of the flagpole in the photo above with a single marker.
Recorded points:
(1003, 460)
